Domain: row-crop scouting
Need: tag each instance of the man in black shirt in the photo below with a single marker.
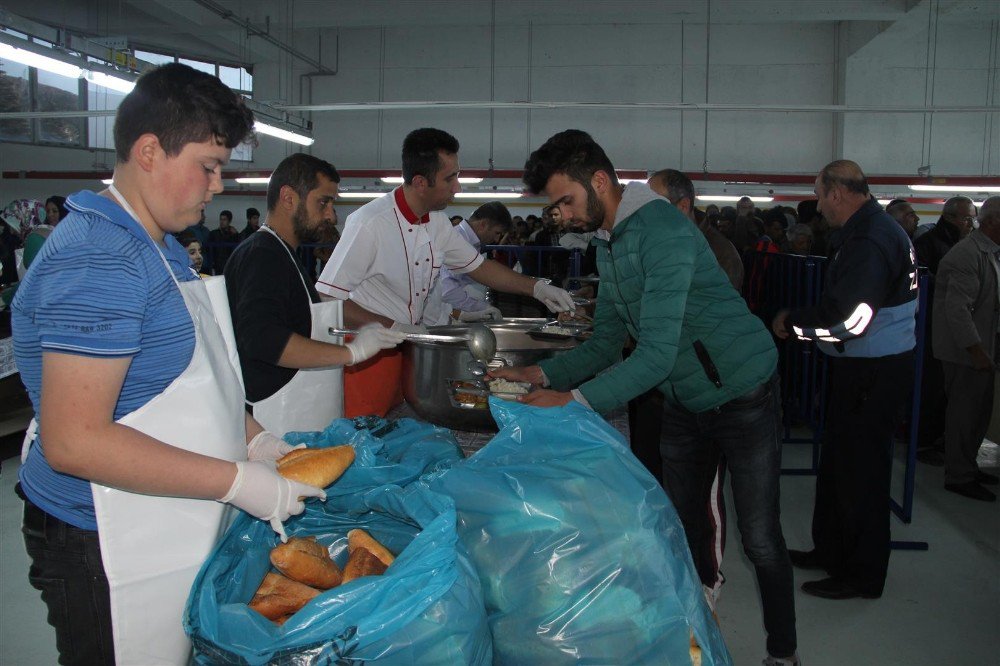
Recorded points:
(253, 223)
(275, 307)
(222, 241)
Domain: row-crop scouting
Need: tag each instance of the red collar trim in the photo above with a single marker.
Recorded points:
(405, 209)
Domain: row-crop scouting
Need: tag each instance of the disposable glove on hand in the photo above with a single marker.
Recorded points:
(267, 446)
(408, 328)
(554, 298)
(371, 339)
(263, 493)
(489, 314)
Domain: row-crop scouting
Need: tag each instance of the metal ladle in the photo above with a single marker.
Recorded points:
(481, 340)
(482, 343)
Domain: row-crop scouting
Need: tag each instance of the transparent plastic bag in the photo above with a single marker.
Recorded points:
(581, 556)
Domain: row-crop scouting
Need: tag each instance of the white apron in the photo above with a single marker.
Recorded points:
(313, 397)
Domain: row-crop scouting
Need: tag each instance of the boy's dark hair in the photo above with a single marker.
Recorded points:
(299, 172)
(420, 153)
(252, 212)
(495, 213)
(228, 214)
(572, 152)
(185, 238)
(181, 105)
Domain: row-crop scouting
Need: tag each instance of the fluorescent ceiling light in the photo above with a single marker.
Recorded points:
(626, 181)
(884, 202)
(107, 181)
(720, 198)
(271, 130)
(110, 82)
(32, 59)
(955, 188)
(488, 195)
(360, 195)
(253, 181)
(398, 180)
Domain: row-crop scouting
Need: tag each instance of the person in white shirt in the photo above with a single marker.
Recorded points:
(449, 296)
(389, 257)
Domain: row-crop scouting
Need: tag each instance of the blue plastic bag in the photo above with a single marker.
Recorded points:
(426, 609)
(581, 556)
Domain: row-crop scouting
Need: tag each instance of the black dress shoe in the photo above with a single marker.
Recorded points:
(836, 588)
(805, 559)
(931, 457)
(986, 478)
(972, 490)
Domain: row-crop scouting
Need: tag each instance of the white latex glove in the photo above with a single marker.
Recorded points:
(489, 314)
(554, 298)
(408, 328)
(263, 493)
(267, 446)
(371, 339)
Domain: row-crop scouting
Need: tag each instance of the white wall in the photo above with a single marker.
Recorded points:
(779, 59)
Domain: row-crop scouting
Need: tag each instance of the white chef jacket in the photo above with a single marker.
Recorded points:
(388, 259)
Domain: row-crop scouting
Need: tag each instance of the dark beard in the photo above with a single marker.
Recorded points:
(595, 212)
(300, 226)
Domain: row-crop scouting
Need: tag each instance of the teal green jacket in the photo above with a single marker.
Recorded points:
(661, 284)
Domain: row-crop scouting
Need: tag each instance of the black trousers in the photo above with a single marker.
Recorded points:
(66, 567)
(850, 526)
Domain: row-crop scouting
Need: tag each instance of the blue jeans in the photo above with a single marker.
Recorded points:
(66, 567)
(746, 431)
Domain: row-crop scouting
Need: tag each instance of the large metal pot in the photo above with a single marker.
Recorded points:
(430, 367)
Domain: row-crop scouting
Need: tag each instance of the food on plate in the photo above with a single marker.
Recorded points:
(279, 597)
(499, 385)
(358, 538)
(316, 467)
(363, 562)
(560, 330)
(306, 561)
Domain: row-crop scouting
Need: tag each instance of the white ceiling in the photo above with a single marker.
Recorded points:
(198, 28)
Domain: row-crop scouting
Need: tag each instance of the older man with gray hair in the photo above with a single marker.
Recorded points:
(965, 319)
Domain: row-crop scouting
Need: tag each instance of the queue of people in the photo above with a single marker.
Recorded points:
(150, 418)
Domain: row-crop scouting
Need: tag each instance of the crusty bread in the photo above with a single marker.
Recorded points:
(363, 562)
(358, 538)
(307, 562)
(278, 596)
(316, 467)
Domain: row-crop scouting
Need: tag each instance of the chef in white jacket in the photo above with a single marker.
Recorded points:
(389, 257)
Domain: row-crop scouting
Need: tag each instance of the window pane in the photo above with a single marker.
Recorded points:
(230, 76)
(14, 97)
(242, 153)
(155, 58)
(58, 93)
(100, 129)
(200, 66)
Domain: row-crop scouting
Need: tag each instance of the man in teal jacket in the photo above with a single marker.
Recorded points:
(695, 340)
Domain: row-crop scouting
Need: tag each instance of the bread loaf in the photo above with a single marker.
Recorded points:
(278, 596)
(316, 467)
(358, 538)
(363, 562)
(305, 561)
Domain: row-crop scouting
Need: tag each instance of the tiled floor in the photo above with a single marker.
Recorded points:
(940, 607)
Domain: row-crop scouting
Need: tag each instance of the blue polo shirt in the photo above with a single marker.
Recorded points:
(99, 288)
